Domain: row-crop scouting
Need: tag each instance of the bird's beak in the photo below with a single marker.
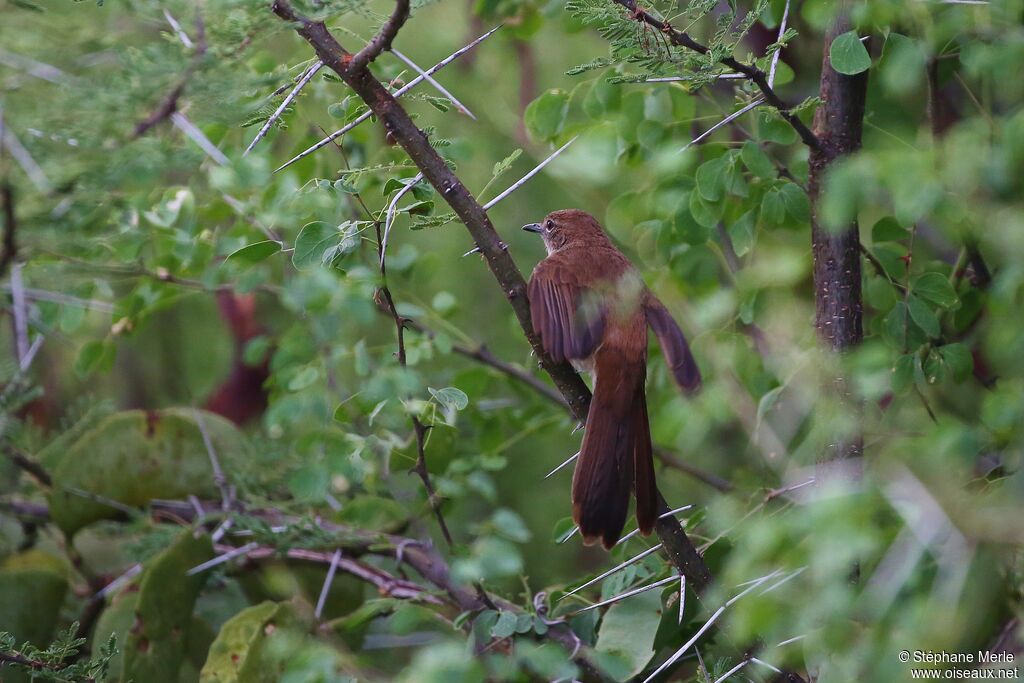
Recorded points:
(532, 227)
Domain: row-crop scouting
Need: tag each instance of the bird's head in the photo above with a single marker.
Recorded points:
(568, 228)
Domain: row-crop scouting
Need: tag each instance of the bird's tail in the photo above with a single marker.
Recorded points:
(615, 457)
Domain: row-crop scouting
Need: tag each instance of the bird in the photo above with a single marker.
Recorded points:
(590, 306)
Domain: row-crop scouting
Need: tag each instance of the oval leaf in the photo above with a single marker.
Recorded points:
(848, 55)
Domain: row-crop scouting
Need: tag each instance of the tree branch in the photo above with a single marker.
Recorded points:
(838, 125)
(402, 129)
(382, 41)
(753, 74)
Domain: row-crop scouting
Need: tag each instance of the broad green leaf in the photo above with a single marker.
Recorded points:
(773, 208)
(374, 513)
(903, 373)
(888, 229)
(705, 213)
(755, 159)
(155, 645)
(711, 179)
(135, 456)
(848, 55)
(935, 288)
(313, 241)
(902, 65)
(796, 202)
(627, 632)
(450, 397)
(743, 233)
(95, 355)
(922, 314)
(959, 359)
(255, 252)
(33, 585)
(505, 626)
(237, 655)
(545, 116)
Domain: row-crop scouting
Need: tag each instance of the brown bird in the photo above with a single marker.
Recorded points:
(590, 307)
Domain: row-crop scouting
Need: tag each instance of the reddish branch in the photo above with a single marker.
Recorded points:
(401, 128)
(753, 74)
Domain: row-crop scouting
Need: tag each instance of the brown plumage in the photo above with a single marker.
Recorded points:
(590, 307)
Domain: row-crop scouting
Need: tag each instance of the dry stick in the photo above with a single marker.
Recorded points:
(398, 93)
(306, 78)
(680, 549)
(219, 479)
(459, 106)
(778, 52)
(571, 458)
(385, 300)
(754, 74)
(731, 117)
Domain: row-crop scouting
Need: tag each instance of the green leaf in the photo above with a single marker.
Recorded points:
(313, 242)
(935, 288)
(506, 163)
(450, 397)
(96, 355)
(903, 373)
(628, 630)
(33, 584)
(711, 179)
(922, 314)
(505, 626)
(135, 456)
(237, 654)
(255, 252)
(959, 359)
(888, 229)
(374, 513)
(848, 55)
(755, 159)
(705, 213)
(773, 208)
(796, 202)
(545, 116)
(155, 646)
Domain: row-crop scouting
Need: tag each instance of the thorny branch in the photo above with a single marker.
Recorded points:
(680, 549)
(382, 41)
(752, 73)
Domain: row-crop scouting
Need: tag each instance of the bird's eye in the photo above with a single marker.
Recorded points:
(549, 224)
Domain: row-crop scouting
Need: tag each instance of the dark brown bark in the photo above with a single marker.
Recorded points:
(402, 129)
(838, 124)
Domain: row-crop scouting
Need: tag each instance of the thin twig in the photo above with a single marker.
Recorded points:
(178, 30)
(735, 115)
(778, 52)
(219, 479)
(306, 78)
(569, 460)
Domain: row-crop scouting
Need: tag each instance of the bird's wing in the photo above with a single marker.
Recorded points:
(569, 318)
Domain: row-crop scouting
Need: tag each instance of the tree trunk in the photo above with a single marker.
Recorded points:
(838, 123)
